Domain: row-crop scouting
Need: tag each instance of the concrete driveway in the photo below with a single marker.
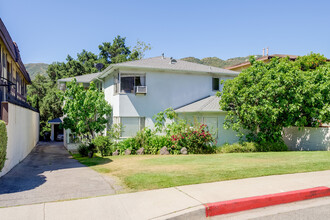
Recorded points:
(49, 173)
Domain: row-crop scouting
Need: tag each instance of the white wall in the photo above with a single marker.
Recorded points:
(164, 90)
(307, 138)
(23, 135)
(108, 88)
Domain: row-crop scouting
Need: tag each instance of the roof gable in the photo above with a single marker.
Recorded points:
(164, 63)
(87, 78)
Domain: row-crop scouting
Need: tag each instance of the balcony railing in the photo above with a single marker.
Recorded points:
(8, 93)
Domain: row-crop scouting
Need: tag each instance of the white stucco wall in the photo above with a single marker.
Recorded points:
(108, 88)
(164, 90)
(23, 135)
(307, 138)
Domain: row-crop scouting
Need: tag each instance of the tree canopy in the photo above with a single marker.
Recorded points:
(44, 95)
(85, 111)
(115, 52)
(269, 96)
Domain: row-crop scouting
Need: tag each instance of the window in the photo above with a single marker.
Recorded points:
(25, 89)
(8, 72)
(98, 85)
(22, 87)
(4, 59)
(215, 84)
(18, 84)
(128, 83)
(130, 125)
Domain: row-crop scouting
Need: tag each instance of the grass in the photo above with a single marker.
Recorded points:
(144, 172)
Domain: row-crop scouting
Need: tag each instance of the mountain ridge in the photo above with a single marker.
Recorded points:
(217, 62)
(36, 68)
(41, 68)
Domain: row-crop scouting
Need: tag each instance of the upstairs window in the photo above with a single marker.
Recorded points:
(128, 83)
(215, 84)
(18, 83)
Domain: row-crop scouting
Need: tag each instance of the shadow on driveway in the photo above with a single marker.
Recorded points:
(49, 173)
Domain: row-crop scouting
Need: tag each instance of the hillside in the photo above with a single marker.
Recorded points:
(217, 62)
(35, 68)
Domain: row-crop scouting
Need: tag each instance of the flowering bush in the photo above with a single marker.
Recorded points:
(175, 135)
(196, 139)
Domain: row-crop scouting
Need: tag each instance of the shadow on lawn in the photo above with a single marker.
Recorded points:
(96, 160)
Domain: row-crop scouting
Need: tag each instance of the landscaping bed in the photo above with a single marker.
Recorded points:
(145, 172)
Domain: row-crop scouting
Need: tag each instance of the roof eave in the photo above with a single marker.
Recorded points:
(110, 70)
(201, 111)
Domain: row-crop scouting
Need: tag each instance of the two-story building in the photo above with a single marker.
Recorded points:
(22, 121)
(13, 76)
(138, 90)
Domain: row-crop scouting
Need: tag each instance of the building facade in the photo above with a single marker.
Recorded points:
(22, 121)
(138, 90)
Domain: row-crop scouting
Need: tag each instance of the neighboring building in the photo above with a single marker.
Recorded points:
(241, 66)
(13, 76)
(138, 90)
(266, 59)
(21, 119)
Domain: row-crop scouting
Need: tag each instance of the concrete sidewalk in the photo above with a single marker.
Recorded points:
(184, 202)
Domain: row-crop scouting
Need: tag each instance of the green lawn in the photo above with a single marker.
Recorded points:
(154, 171)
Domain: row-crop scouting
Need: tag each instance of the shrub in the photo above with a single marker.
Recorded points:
(129, 143)
(83, 150)
(238, 148)
(103, 145)
(3, 143)
(197, 140)
(277, 146)
(92, 149)
(267, 97)
(156, 142)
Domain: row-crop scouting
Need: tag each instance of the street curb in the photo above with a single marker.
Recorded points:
(237, 205)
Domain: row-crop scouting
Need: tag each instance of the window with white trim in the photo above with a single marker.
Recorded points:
(130, 125)
(128, 82)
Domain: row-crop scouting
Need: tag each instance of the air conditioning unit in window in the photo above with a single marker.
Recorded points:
(140, 89)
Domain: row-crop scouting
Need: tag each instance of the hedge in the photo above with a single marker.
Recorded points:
(3, 143)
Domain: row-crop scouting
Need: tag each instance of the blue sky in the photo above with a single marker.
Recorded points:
(47, 31)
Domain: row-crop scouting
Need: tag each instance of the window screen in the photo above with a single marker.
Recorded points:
(130, 126)
(215, 84)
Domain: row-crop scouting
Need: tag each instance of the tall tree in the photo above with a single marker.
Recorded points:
(269, 96)
(44, 95)
(85, 111)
